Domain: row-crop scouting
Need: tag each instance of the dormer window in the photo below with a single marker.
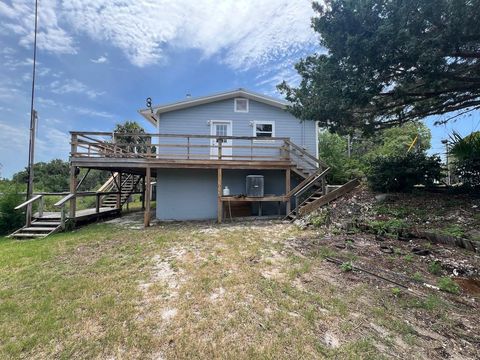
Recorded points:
(241, 105)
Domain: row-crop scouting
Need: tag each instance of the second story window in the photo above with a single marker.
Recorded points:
(241, 105)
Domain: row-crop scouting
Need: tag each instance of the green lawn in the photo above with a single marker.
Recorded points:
(191, 290)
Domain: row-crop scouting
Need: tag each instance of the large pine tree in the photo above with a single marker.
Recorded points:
(389, 62)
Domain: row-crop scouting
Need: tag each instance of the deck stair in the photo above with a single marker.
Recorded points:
(317, 199)
(128, 186)
(40, 227)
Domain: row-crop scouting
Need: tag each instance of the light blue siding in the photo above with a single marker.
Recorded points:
(191, 194)
(196, 120)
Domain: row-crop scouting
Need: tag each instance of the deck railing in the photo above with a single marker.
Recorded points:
(179, 147)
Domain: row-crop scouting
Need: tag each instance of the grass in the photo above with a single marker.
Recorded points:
(447, 284)
(190, 290)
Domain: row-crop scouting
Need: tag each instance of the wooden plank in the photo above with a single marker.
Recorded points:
(219, 195)
(325, 199)
(73, 190)
(125, 163)
(148, 197)
(254, 199)
(287, 189)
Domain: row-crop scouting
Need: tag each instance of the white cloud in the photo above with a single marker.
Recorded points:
(89, 112)
(100, 60)
(18, 17)
(243, 33)
(45, 103)
(73, 86)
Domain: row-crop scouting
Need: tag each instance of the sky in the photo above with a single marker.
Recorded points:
(98, 61)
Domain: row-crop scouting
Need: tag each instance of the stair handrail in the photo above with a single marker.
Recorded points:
(310, 179)
(306, 153)
(62, 201)
(29, 201)
(108, 182)
(311, 182)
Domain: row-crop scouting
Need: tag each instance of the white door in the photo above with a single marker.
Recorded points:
(221, 128)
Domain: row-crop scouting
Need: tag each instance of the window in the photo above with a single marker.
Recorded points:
(241, 105)
(264, 129)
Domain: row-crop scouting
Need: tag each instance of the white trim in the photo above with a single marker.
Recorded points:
(270, 122)
(235, 109)
(214, 154)
(317, 130)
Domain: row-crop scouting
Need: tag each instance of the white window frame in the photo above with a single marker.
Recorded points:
(241, 111)
(263, 122)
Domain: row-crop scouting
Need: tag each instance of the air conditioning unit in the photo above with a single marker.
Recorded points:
(254, 186)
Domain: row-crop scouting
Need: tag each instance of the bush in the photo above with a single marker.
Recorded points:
(402, 173)
(10, 219)
(447, 284)
(466, 152)
(332, 148)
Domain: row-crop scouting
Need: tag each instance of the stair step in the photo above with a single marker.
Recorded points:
(46, 223)
(27, 235)
(39, 229)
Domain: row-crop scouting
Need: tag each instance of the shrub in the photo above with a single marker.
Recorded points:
(346, 266)
(435, 267)
(402, 173)
(466, 152)
(447, 284)
(10, 219)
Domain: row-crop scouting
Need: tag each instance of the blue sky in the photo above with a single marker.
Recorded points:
(98, 61)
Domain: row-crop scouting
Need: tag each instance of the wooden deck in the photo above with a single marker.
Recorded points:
(117, 152)
(82, 215)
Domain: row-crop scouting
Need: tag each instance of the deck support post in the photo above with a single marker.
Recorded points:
(147, 197)
(219, 193)
(119, 188)
(143, 193)
(287, 189)
(73, 190)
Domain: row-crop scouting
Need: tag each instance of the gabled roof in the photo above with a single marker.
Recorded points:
(190, 102)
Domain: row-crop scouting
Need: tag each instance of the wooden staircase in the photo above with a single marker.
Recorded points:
(40, 227)
(129, 184)
(317, 199)
(42, 224)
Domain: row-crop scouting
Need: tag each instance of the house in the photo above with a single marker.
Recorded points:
(235, 153)
(256, 128)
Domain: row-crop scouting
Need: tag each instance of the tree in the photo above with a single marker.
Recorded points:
(130, 136)
(389, 62)
(332, 148)
(388, 143)
(396, 140)
(54, 176)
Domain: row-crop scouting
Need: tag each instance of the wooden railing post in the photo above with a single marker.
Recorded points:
(149, 146)
(97, 203)
(41, 206)
(219, 142)
(62, 217)
(73, 145)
